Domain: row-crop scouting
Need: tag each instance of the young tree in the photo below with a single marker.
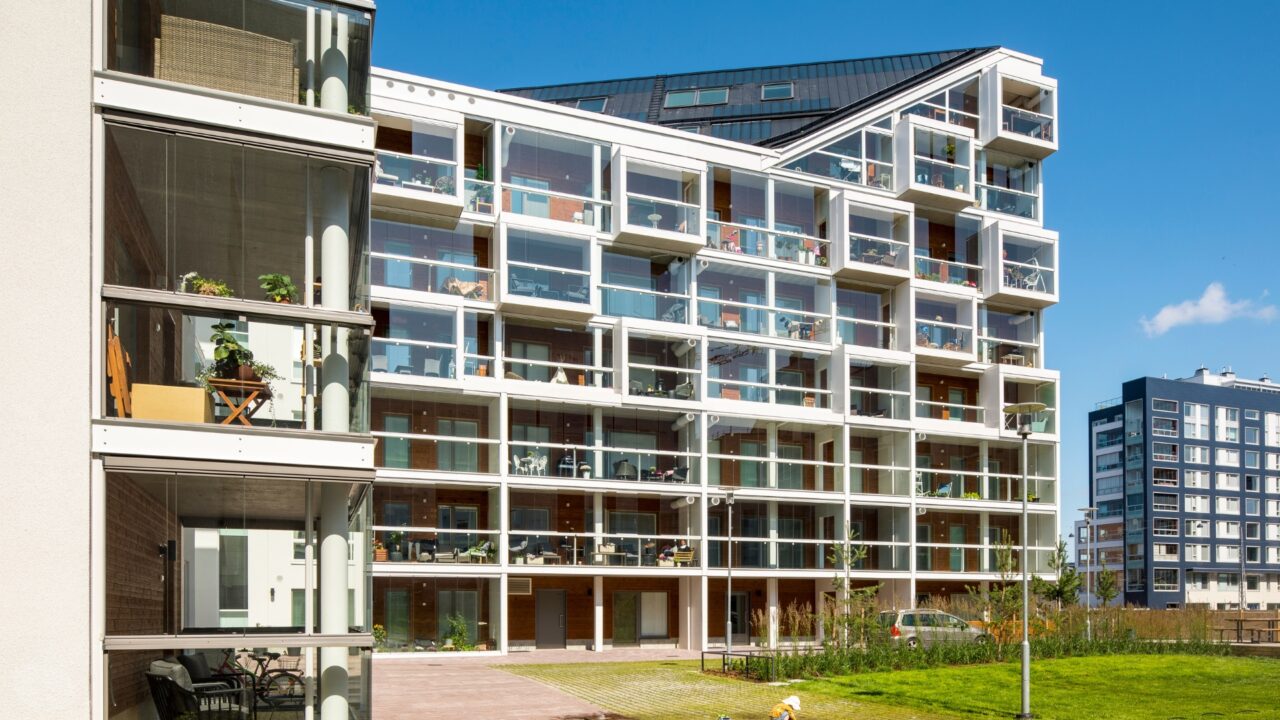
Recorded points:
(1064, 591)
(1002, 603)
(854, 616)
(1104, 587)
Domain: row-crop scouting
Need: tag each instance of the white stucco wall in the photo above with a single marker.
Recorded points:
(45, 484)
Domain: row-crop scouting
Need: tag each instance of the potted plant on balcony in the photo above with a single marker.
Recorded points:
(193, 282)
(379, 551)
(280, 288)
(394, 547)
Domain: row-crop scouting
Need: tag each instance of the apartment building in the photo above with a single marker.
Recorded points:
(1185, 476)
(199, 245)
(603, 311)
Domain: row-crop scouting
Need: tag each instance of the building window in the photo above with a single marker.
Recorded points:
(1164, 477)
(695, 129)
(1165, 579)
(1197, 455)
(777, 91)
(1110, 486)
(1197, 553)
(1164, 405)
(957, 105)
(1195, 421)
(1228, 581)
(1228, 481)
(1252, 554)
(1164, 427)
(1252, 459)
(1228, 529)
(1252, 531)
(1228, 553)
(1251, 415)
(689, 98)
(1252, 483)
(1252, 506)
(1164, 451)
(1164, 527)
(1228, 425)
(1199, 529)
(1252, 435)
(1164, 501)
(1197, 503)
(1228, 506)
(595, 104)
(1227, 457)
(1165, 552)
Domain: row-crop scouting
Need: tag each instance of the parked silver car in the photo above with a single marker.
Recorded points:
(915, 627)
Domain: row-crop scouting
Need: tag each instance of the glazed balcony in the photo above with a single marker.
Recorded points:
(557, 353)
(741, 373)
(425, 431)
(940, 161)
(548, 274)
(663, 206)
(662, 369)
(1027, 266)
(878, 390)
(944, 329)
(640, 285)
(734, 298)
(637, 447)
(431, 254)
(555, 178)
(1022, 116)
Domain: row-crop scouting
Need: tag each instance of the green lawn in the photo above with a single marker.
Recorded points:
(1136, 687)
(1133, 687)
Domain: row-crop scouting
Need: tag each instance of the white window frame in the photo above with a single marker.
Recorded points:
(1155, 400)
(791, 90)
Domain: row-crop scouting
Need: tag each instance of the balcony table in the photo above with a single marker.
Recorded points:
(251, 394)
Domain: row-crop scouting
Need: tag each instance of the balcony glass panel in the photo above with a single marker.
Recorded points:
(947, 248)
(219, 218)
(1010, 338)
(1008, 184)
(864, 157)
(957, 105)
(262, 48)
(733, 298)
(555, 529)
(431, 255)
(552, 176)
(864, 317)
(1028, 264)
(943, 334)
(418, 431)
(549, 266)
(878, 464)
(738, 372)
(637, 285)
(878, 390)
(664, 198)
(663, 367)
(162, 364)
(434, 524)
(947, 397)
(802, 307)
(423, 158)
(413, 341)
(806, 457)
(941, 161)
(1025, 122)
(648, 447)
(1045, 421)
(433, 613)
(225, 542)
(1025, 109)
(546, 352)
(738, 453)
(804, 371)
(477, 340)
(800, 217)
(876, 237)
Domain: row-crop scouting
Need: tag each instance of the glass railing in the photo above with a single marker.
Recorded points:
(879, 175)
(941, 175)
(666, 215)
(559, 373)
(405, 451)
(802, 397)
(766, 393)
(1028, 276)
(975, 485)
(938, 335)
(749, 240)
(620, 301)
(605, 463)
(556, 206)
(879, 480)
(548, 283)
(867, 402)
(435, 545)
(949, 411)
(478, 196)
(781, 554)
(435, 276)
(414, 172)
(1025, 122)
(1008, 352)
(948, 272)
(162, 364)
(778, 473)
(412, 357)
(878, 251)
(801, 325)
(479, 365)
(1009, 202)
(739, 317)
(661, 381)
(875, 555)
(866, 333)
(801, 249)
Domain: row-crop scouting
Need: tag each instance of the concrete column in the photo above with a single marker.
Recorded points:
(597, 518)
(335, 294)
(984, 536)
(772, 589)
(333, 61)
(598, 596)
(773, 533)
(333, 599)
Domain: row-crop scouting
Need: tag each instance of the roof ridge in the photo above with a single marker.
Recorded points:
(751, 67)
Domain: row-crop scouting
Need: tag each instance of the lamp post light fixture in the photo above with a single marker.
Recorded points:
(1023, 412)
(728, 593)
(1088, 570)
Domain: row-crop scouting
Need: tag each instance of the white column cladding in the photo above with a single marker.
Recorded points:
(597, 524)
(771, 585)
(598, 609)
(333, 61)
(335, 294)
(333, 599)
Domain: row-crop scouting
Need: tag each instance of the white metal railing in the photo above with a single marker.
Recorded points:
(750, 391)
(1026, 122)
(826, 475)
(941, 175)
(685, 389)
(538, 459)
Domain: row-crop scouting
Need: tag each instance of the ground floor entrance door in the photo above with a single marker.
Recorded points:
(549, 627)
(626, 607)
(740, 616)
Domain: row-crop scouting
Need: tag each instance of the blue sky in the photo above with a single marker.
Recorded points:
(1168, 179)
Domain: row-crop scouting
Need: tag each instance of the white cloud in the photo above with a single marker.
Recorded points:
(1213, 308)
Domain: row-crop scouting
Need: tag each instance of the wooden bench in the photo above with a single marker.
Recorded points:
(682, 557)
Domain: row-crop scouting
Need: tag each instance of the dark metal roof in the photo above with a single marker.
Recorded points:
(824, 92)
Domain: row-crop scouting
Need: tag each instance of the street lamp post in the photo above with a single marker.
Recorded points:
(1023, 411)
(728, 593)
(1088, 570)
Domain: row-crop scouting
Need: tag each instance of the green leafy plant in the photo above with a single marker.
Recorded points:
(280, 288)
(1105, 588)
(458, 632)
(228, 353)
(972, 496)
(379, 636)
(193, 282)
